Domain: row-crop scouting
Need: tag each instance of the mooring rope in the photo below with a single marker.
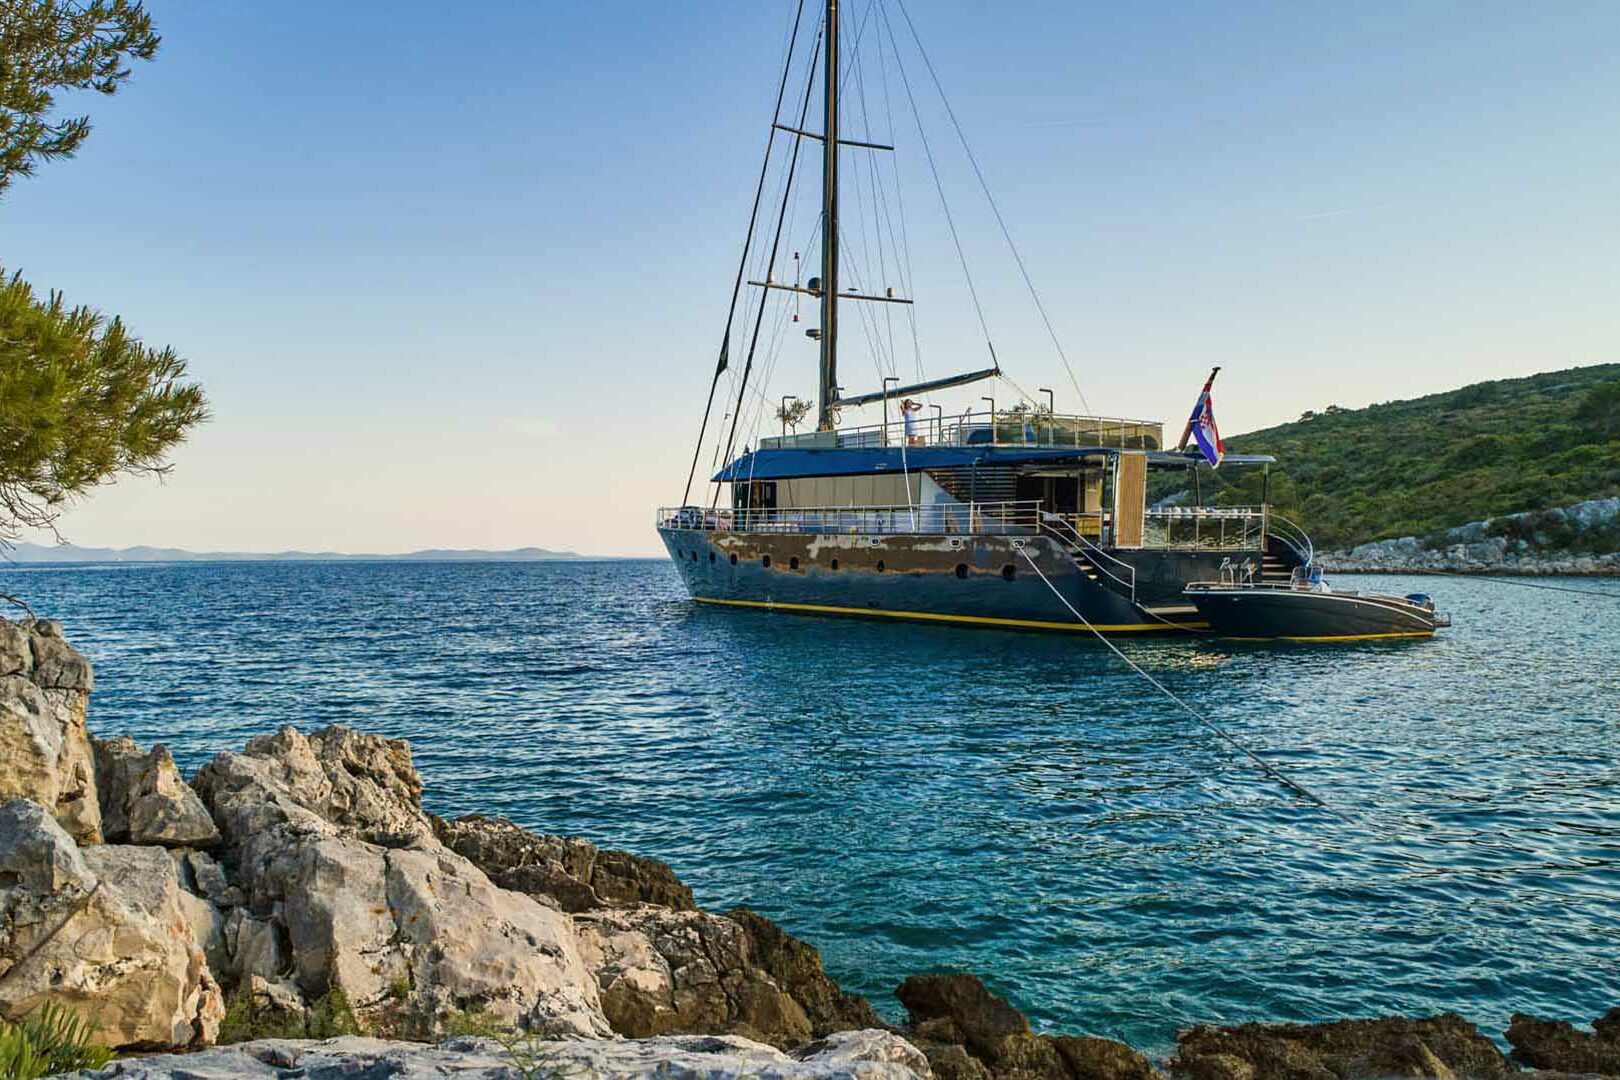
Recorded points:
(1264, 765)
(1615, 595)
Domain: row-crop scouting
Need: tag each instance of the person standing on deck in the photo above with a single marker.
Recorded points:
(908, 412)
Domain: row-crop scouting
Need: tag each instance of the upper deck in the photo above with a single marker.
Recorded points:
(1001, 428)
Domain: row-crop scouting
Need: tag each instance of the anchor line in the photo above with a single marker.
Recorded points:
(1265, 766)
(1515, 584)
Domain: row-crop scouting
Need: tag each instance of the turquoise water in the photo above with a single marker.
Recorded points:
(926, 798)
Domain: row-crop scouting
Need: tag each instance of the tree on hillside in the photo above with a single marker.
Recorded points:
(81, 402)
(51, 45)
(1600, 410)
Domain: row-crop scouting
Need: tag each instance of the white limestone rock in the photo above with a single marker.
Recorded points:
(102, 931)
(327, 839)
(44, 749)
(864, 1055)
(144, 800)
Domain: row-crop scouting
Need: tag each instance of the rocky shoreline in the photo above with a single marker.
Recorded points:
(1580, 541)
(295, 901)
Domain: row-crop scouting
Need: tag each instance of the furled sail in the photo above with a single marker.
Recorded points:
(920, 388)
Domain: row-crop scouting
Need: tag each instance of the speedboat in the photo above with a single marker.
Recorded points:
(1307, 608)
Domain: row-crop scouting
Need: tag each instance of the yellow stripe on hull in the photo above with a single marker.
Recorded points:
(930, 616)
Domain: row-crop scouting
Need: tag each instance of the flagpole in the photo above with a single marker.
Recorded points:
(1187, 432)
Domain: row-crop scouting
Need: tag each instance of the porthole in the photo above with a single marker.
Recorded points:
(834, 564)
(711, 556)
(880, 566)
(1009, 572)
(733, 558)
(793, 562)
(961, 571)
(765, 561)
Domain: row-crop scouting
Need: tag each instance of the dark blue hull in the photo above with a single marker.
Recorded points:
(984, 580)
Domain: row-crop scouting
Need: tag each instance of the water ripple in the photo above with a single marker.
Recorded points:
(916, 798)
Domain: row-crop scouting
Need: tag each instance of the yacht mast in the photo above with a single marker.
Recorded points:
(829, 227)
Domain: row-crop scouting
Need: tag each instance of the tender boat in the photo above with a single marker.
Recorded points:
(1306, 608)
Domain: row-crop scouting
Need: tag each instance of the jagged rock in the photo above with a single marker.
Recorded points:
(1090, 1058)
(1471, 548)
(879, 1056)
(144, 800)
(208, 876)
(44, 749)
(362, 784)
(16, 653)
(665, 972)
(855, 1046)
(206, 924)
(411, 931)
(795, 966)
(1444, 1046)
(57, 665)
(574, 872)
(256, 947)
(100, 931)
(970, 1033)
(1557, 1045)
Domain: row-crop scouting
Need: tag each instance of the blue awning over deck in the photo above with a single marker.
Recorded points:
(796, 463)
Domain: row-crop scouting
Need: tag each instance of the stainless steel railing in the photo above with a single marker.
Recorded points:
(1117, 570)
(1291, 534)
(1000, 428)
(1215, 528)
(958, 519)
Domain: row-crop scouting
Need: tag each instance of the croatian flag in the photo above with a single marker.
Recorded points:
(1202, 423)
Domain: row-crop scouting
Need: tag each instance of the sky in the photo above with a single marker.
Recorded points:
(455, 275)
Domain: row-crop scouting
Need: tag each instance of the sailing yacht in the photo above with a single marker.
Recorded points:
(1019, 517)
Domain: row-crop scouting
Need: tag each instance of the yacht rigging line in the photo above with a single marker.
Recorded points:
(748, 241)
(1264, 765)
(776, 244)
(1504, 581)
(991, 199)
(939, 185)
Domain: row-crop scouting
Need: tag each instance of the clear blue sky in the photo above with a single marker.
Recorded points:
(453, 274)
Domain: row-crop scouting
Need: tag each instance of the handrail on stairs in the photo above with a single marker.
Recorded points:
(1292, 535)
(1066, 533)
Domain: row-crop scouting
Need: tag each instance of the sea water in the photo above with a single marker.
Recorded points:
(922, 798)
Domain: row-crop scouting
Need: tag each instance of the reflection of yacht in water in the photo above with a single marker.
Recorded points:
(1013, 517)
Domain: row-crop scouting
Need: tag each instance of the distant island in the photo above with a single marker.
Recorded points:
(68, 553)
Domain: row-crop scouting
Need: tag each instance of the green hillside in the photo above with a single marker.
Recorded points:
(1410, 468)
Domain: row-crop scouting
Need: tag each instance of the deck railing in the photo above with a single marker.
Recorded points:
(1122, 573)
(950, 519)
(1216, 528)
(1001, 428)
(1291, 534)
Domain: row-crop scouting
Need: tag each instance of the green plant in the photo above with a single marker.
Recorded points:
(244, 1021)
(532, 1054)
(53, 1040)
(332, 1015)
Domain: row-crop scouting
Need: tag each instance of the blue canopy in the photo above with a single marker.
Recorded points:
(797, 462)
